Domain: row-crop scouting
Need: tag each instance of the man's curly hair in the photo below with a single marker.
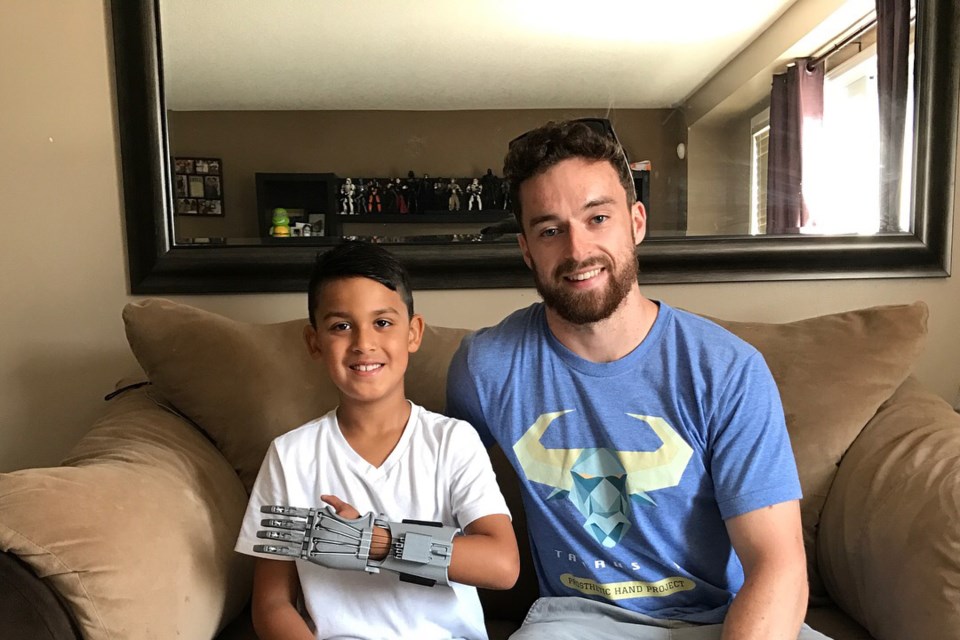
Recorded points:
(538, 150)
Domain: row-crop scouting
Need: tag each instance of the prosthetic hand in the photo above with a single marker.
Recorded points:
(419, 551)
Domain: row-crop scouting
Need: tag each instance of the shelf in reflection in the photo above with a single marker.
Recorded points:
(322, 241)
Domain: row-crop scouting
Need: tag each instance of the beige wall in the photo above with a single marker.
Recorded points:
(719, 165)
(63, 264)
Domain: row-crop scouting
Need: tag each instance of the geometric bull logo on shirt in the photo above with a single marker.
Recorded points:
(601, 482)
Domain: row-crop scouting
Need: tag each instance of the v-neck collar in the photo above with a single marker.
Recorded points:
(360, 464)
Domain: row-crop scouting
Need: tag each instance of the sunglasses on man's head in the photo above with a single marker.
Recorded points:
(600, 126)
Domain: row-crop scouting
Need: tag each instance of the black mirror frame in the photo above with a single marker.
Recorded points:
(156, 266)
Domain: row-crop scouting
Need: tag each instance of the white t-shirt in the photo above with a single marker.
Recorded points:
(439, 471)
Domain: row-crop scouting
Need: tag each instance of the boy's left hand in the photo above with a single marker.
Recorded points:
(380, 544)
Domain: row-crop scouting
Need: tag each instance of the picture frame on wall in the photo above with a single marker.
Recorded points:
(186, 206)
(318, 224)
(198, 185)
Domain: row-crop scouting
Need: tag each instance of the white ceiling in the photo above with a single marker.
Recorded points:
(449, 54)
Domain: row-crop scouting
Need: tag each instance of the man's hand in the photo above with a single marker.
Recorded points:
(380, 543)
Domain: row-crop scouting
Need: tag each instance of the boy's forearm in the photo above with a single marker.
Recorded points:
(485, 556)
(485, 561)
(275, 588)
(280, 622)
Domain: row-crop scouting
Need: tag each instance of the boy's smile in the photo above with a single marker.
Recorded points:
(366, 368)
(364, 336)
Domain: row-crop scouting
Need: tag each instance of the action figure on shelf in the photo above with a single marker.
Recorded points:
(425, 194)
(439, 193)
(281, 223)
(412, 192)
(453, 202)
(403, 205)
(391, 202)
(347, 194)
(491, 190)
(474, 189)
(360, 197)
(394, 200)
(374, 204)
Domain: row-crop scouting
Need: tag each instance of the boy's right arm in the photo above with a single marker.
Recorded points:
(485, 556)
(275, 589)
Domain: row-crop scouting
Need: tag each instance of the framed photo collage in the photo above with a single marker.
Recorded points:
(198, 186)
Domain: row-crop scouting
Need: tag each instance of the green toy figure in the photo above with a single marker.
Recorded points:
(281, 224)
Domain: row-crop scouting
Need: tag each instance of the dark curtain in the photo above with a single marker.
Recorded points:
(796, 106)
(893, 48)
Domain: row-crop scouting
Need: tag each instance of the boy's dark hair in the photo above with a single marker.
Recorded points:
(354, 259)
(536, 151)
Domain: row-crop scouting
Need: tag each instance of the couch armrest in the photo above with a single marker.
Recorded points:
(889, 538)
(29, 609)
(136, 531)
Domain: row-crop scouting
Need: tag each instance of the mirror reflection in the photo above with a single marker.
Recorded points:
(777, 118)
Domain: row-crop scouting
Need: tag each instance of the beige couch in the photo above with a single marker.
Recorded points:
(132, 536)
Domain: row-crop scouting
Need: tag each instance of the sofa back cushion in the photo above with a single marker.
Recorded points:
(244, 384)
(890, 535)
(833, 373)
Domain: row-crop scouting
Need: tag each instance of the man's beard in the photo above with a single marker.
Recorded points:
(587, 307)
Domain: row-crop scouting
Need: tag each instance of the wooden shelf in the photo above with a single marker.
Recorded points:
(429, 217)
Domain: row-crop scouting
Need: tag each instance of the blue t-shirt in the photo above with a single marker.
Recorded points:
(629, 468)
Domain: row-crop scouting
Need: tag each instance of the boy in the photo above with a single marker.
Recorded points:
(386, 456)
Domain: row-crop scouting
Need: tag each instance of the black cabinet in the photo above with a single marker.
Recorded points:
(641, 181)
(301, 194)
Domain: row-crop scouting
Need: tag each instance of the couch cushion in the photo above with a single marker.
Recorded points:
(245, 384)
(833, 373)
(136, 531)
(890, 536)
(835, 624)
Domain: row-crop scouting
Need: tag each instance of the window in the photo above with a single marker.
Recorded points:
(759, 143)
(851, 121)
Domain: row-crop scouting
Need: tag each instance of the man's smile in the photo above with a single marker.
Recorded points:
(585, 275)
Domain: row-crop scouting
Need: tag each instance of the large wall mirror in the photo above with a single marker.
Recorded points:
(785, 139)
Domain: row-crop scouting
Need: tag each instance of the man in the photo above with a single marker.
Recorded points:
(656, 471)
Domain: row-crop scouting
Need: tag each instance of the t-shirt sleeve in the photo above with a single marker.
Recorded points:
(270, 488)
(752, 462)
(474, 492)
(463, 399)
